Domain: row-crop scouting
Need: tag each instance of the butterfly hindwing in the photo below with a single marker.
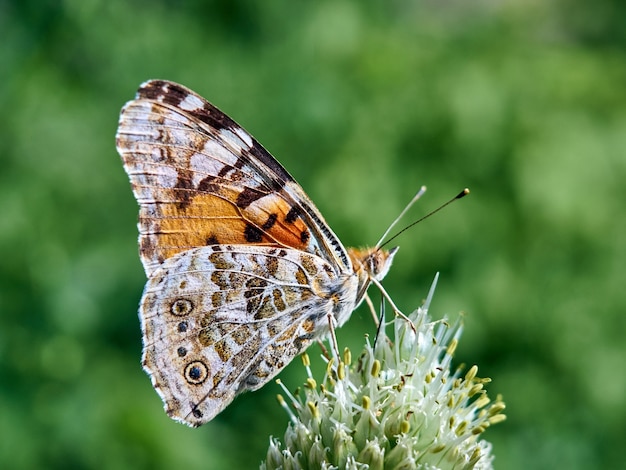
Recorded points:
(219, 320)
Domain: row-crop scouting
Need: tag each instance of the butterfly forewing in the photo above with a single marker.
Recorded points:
(202, 180)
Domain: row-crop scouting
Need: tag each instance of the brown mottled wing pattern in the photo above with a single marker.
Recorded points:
(200, 179)
(222, 319)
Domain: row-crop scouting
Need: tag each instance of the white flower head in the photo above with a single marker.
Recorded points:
(398, 406)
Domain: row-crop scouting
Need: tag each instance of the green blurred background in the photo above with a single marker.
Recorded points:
(524, 102)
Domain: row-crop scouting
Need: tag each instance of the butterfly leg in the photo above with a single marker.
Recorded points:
(325, 352)
(393, 305)
(333, 337)
(370, 305)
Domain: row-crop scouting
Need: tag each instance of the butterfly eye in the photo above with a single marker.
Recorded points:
(372, 263)
(379, 262)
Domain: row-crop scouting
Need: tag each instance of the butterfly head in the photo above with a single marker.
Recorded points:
(372, 262)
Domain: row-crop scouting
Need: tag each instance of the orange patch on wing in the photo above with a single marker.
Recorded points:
(207, 220)
(271, 214)
(210, 219)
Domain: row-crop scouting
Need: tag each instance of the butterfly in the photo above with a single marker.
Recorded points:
(243, 271)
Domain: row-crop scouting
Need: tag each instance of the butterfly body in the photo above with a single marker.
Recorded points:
(243, 271)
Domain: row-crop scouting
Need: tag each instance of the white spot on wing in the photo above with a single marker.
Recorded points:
(203, 167)
(191, 103)
(243, 135)
(216, 151)
(233, 140)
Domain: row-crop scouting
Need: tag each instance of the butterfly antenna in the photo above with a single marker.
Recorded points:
(463, 193)
(408, 206)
